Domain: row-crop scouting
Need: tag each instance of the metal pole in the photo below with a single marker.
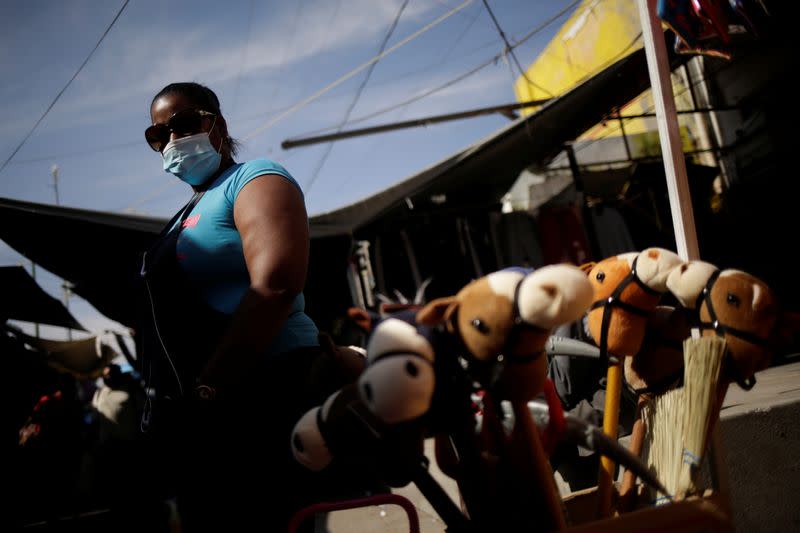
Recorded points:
(54, 172)
(624, 135)
(64, 285)
(35, 324)
(503, 109)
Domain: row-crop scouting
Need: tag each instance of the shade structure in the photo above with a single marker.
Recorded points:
(21, 298)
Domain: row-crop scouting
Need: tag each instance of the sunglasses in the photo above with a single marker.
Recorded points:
(182, 123)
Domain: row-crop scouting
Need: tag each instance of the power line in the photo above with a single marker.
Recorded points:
(510, 50)
(357, 96)
(358, 69)
(453, 81)
(85, 61)
(76, 153)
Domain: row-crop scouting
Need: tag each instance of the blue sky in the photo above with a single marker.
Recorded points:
(261, 58)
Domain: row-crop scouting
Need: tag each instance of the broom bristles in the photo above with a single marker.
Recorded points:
(678, 422)
(662, 421)
(703, 361)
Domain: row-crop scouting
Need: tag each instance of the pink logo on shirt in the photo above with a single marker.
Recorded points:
(191, 221)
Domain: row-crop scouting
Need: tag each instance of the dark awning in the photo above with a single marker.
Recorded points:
(23, 299)
(98, 253)
(480, 175)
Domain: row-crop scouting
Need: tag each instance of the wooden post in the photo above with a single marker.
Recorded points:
(668, 131)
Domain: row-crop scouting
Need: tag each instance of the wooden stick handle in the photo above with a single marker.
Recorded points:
(627, 492)
(605, 478)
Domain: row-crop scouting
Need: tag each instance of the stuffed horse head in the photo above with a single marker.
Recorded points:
(658, 365)
(734, 305)
(627, 288)
(506, 317)
(344, 428)
(399, 380)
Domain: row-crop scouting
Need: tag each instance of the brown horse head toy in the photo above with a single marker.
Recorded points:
(737, 306)
(507, 316)
(627, 288)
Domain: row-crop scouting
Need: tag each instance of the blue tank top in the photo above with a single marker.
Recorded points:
(209, 251)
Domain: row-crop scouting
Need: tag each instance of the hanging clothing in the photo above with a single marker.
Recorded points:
(562, 236)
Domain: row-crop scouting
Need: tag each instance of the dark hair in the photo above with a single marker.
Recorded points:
(203, 97)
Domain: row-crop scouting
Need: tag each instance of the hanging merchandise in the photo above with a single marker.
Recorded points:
(712, 14)
(751, 14)
(680, 17)
(700, 26)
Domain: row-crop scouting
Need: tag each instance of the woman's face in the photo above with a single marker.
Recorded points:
(166, 106)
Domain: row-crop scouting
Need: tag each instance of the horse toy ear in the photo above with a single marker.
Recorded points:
(362, 318)
(437, 311)
(687, 281)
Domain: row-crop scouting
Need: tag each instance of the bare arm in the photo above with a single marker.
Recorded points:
(272, 222)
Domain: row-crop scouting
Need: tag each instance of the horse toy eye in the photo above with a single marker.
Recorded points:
(600, 276)
(478, 324)
(733, 299)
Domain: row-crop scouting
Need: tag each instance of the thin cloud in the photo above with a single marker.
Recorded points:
(134, 65)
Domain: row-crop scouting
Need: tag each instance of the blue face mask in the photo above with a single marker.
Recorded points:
(192, 159)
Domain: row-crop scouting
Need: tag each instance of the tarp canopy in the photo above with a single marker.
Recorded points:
(99, 253)
(83, 358)
(21, 298)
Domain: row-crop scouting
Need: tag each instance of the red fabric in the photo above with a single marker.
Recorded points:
(555, 428)
(562, 237)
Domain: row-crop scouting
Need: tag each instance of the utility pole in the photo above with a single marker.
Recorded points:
(54, 172)
(65, 285)
(33, 275)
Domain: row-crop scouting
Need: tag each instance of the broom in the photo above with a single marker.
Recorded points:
(703, 359)
(680, 421)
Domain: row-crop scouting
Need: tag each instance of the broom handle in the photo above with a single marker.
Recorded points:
(627, 492)
(610, 422)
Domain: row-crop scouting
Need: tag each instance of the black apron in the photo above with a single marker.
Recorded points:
(180, 330)
(214, 453)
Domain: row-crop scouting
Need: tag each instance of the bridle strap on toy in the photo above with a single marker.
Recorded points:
(721, 329)
(615, 301)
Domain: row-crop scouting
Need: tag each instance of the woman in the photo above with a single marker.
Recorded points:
(233, 358)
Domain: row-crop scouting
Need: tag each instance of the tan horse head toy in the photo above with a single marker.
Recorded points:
(507, 316)
(627, 288)
(737, 306)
